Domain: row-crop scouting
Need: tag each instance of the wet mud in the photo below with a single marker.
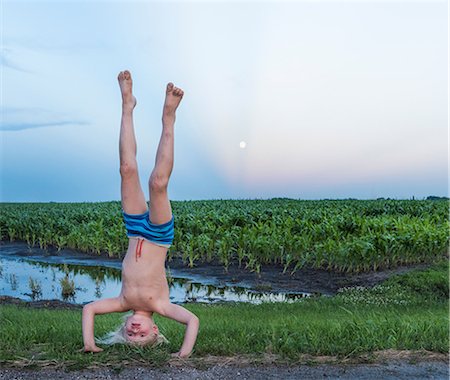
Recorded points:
(270, 279)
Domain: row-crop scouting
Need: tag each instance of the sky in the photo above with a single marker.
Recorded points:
(333, 99)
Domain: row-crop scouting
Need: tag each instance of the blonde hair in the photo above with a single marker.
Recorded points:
(118, 336)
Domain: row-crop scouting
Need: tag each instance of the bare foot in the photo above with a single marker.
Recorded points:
(173, 99)
(126, 84)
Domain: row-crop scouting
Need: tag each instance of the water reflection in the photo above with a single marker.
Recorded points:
(98, 283)
(30, 279)
(36, 288)
(12, 279)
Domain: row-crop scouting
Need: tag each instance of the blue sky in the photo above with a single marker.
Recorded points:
(334, 99)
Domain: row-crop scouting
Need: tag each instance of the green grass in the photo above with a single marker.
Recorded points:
(406, 312)
(431, 283)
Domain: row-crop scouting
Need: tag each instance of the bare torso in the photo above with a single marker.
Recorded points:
(144, 282)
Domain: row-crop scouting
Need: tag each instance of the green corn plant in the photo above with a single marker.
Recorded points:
(366, 235)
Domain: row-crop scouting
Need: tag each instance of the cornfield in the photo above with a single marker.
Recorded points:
(338, 235)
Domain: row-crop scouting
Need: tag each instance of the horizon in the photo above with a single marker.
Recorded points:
(429, 198)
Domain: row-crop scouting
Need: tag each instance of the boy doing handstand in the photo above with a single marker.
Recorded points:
(144, 285)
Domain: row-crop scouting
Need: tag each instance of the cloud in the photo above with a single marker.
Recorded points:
(16, 119)
(67, 45)
(5, 61)
(21, 126)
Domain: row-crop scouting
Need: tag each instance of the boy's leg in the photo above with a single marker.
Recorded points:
(133, 199)
(160, 209)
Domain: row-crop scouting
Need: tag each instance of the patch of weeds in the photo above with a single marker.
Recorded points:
(263, 287)
(36, 288)
(379, 295)
(154, 356)
(67, 287)
(98, 284)
(38, 351)
(431, 283)
(13, 281)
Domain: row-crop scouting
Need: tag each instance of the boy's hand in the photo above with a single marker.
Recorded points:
(91, 349)
(107, 305)
(178, 355)
(180, 314)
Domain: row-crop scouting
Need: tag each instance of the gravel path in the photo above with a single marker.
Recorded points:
(391, 370)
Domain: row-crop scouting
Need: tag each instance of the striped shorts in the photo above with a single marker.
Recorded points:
(139, 225)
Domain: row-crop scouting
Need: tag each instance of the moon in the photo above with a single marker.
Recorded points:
(242, 144)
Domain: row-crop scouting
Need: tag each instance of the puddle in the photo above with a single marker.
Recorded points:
(29, 276)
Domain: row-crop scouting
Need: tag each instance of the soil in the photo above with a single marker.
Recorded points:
(271, 278)
(42, 304)
(307, 279)
(387, 365)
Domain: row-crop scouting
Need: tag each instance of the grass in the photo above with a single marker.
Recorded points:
(406, 312)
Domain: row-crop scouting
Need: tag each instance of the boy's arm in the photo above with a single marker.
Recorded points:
(107, 305)
(180, 314)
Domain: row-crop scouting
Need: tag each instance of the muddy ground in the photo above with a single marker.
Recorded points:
(271, 278)
(307, 280)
